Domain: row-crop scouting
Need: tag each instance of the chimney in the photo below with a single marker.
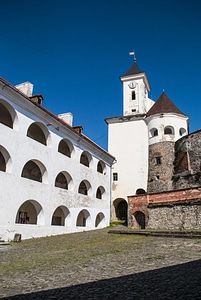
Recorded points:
(37, 98)
(26, 88)
(78, 128)
(67, 118)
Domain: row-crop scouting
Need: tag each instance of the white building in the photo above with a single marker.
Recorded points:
(143, 123)
(53, 179)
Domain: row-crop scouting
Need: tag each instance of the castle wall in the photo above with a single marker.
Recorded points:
(161, 158)
(179, 209)
(187, 164)
(176, 216)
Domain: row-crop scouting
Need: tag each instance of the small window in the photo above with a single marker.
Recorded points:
(168, 130)
(182, 131)
(158, 160)
(115, 176)
(153, 132)
(133, 95)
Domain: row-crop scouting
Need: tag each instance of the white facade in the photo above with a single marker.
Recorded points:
(53, 179)
(178, 125)
(130, 135)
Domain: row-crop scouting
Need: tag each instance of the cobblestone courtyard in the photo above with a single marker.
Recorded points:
(98, 265)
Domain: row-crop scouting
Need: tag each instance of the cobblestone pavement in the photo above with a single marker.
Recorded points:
(98, 265)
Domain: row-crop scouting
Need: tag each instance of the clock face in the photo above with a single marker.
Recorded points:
(132, 84)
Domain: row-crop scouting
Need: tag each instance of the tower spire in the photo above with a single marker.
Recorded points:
(133, 53)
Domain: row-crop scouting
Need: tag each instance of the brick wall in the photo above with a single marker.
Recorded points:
(167, 210)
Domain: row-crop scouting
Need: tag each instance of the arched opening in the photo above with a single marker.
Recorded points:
(100, 220)
(5, 116)
(2, 163)
(85, 159)
(121, 210)
(98, 194)
(153, 132)
(100, 167)
(65, 147)
(169, 130)
(61, 181)
(36, 133)
(84, 187)
(5, 160)
(83, 218)
(140, 219)
(182, 131)
(32, 171)
(140, 191)
(28, 212)
(58, 217)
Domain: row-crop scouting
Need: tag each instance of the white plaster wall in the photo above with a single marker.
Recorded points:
(15, 190)
(161, 121)
(128, 143)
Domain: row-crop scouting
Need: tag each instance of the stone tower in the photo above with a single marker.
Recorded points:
(166, 124)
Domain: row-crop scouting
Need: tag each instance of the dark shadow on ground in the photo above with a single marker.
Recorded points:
(176, 282)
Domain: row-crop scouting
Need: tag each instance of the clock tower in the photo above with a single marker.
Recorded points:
(135, 92)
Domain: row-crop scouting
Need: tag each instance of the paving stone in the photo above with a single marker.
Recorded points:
(98, 265)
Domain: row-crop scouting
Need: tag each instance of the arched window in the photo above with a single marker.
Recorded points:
(36, 133)
(5, 160)
(83, 218)
(61, 181)
(58, 217)
(82, 188)
(85, 159)
(5, 116)
(100, 167)
(169, 130)
(65, 147)
(61, 216)
(2, 163)
(30, 212)
(100, 191)
(140, 191)
(182, 131)
(100, 220)
(153, 132)
(32, 171)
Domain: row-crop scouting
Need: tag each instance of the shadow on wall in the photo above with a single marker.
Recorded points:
(175, 282)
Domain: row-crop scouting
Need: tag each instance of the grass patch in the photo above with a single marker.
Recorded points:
(117, 223)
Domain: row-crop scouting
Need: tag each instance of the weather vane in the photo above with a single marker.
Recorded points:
(133, 53)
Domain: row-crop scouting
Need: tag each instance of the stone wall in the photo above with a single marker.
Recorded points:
(161, 158)
(177, 216)
(179, 209)
(187, 164)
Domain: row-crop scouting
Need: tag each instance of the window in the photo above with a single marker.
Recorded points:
(182, 131)
(101, 167)
(36, 133)
(32, 171)
(5, 116)
(158, 160)
(115, 176)
(61, 181)
(65, 147)
(133, 95)
(153, 132)
(169, 130)
(85, 159)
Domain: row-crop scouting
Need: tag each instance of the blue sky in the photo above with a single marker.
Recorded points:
(74, 52)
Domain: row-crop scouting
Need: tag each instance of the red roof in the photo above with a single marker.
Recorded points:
(163, 105)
